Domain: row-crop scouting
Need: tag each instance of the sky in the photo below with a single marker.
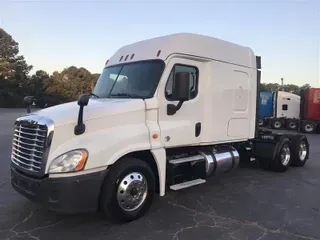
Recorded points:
(55, 34)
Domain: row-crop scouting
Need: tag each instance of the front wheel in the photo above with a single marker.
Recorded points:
(276, 124)
(128, 190)
(261, 122)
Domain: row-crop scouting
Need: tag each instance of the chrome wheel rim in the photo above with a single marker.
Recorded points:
(308, 128)
(285, 155)
(132, 191)
(302, 150)
(260, 122)
(292, 125)
(277, 124)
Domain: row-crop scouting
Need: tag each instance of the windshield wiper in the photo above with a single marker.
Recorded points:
(125, 95)
(92, 94)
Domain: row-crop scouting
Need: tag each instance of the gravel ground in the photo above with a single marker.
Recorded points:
(247, 204)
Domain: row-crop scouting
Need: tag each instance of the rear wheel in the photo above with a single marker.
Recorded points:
(292, 124)
(128, 190)
(300, 150)
(276, 124)
(282, 159)
(261, 122)
(308, 127)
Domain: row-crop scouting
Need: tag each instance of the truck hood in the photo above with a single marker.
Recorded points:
(67, 113)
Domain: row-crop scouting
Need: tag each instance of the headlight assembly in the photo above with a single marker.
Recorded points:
(72, 161)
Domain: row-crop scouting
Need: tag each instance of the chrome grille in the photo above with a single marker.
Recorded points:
(31, 143)
(28, 145)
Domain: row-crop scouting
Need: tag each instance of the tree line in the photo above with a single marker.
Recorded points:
(272, 87)
(48, 90)
(59, 87)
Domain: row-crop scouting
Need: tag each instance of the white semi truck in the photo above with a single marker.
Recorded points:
(279, 109)
(166, 114)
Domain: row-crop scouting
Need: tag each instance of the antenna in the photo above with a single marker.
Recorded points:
(282, 84)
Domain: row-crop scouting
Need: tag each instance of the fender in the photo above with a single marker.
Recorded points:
(159, 156)
(105, 146)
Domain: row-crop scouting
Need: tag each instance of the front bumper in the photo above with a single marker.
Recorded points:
(66, 194)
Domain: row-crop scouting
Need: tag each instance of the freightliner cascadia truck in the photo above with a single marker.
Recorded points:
(287, 110)
(310, 110)
(166, 114)
(279, 110)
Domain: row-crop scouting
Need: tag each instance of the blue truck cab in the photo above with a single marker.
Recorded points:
(266, 104)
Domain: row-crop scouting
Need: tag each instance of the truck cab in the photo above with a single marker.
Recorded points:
(279, 109)
(165, 114)
(310, 110)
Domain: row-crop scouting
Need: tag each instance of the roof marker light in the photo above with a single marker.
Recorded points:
(132, 55)
(158, 53)
(107, 62)
(121, 59)
(126, 57)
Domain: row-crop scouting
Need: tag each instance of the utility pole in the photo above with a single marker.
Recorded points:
(282, 84)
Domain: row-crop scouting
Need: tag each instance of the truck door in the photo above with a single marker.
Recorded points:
(185, 126)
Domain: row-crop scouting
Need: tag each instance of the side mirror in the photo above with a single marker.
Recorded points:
(83, 99)
(28, 101)
(181, 86)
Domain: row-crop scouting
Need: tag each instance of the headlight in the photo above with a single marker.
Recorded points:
(72, 161)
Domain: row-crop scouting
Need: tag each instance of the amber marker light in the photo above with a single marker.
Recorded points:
(82, 162)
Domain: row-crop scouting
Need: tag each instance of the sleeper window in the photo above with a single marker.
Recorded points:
(193, 78)
(284, 107)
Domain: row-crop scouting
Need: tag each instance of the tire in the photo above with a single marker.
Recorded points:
(122, 177)
(292, 124)
(308, 127)
(283, 155)
(300, 150)
(276, 124)
(261, 122)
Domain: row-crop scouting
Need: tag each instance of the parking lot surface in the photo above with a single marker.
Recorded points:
(249, 203)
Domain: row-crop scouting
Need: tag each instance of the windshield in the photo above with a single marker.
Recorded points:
(131, 80)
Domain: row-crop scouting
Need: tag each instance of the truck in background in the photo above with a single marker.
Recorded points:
(290, 111)
(266, 107)
(279, 109)
(310, 110)
(166, 114)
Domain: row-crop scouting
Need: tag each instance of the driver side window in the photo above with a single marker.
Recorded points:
(193, 78)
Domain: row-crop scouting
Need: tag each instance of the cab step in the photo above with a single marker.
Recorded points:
(187, 159)
(183, 185)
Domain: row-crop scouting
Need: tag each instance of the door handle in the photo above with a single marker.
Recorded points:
(197, 129)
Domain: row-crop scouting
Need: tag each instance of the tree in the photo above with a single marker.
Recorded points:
(95, 77)
(305, 86)
(291, 88)
(272, 87)
(37, 86)
(13, 72)
(67, 85)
